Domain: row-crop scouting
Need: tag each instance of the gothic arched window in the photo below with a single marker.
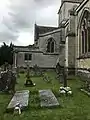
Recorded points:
(85, 32)
(50, 45)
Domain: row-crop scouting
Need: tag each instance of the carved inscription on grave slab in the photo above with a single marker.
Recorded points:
(48, 99)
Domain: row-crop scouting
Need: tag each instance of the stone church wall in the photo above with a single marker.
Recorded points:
(64, 14)
(42, 60)
(44, 39)
(82, 63)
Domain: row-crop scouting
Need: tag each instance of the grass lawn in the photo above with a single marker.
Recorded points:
(76, 107)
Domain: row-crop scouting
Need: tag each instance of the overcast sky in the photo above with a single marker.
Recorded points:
(17, 18)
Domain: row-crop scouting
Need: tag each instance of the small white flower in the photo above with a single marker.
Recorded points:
(70, 92)
(62, 92)
(61, 87)
(68, 88)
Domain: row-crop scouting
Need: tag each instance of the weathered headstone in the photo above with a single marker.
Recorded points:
(37, 70)
(59, 71)
(20, 97)
(28, 82)
(11, 80)
(48, 99)
(3, 81)
(7, 80)
(46, 78)
(16, 73)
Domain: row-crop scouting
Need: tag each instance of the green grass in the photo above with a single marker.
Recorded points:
(76, 107)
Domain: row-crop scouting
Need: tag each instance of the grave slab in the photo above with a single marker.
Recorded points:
(21, 97)
(48, 99)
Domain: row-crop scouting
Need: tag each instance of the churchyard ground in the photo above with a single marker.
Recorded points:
(75, 107)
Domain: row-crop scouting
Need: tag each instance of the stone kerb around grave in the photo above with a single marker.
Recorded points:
(84, 74)
(48, 99)
(21, 97)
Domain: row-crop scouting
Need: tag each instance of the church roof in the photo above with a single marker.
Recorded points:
(28, 46)
(45, 29)
(24, 46)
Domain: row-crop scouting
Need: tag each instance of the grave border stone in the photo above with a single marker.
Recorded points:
(12, 103)
(45, 102)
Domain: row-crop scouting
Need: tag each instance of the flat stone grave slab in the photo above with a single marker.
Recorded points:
(48, 99)
(21, 97)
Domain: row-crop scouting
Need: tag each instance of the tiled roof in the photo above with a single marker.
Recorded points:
(29, 46)
(45, 29)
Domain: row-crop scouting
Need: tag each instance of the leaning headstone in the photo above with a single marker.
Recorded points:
(48, 99)
(21, 98)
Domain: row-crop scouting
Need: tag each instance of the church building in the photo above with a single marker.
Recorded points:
(67, 45)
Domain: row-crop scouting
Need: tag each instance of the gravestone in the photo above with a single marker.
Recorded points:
(11, 80)
(28, 82)
(20, 97)
(7, 80)
(46, 78)
(48, 99)
(3, 81)
(37, 70)
(16, 73)
(59, 71)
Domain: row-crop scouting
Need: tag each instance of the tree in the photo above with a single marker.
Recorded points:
(6, 54)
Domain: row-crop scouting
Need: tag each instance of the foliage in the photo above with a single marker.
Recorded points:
(6, 54)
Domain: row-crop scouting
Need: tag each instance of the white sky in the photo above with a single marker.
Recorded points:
(17, 18)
